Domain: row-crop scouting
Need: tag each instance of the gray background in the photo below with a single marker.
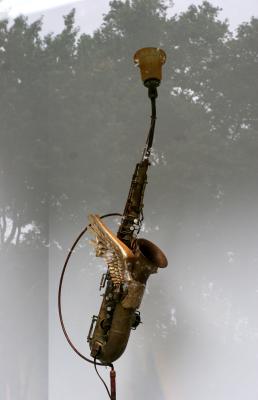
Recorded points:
(199, 338)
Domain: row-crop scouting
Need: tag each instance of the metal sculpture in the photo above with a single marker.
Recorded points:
(130, 260)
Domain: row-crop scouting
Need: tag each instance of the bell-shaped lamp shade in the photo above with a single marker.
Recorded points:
(150, 61)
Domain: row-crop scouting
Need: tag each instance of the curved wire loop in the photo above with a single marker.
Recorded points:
(60, 295)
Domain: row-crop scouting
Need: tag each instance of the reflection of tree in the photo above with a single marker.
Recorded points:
(55, 89)
(71, 110)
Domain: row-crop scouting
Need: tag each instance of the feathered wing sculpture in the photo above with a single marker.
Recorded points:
(116, 254)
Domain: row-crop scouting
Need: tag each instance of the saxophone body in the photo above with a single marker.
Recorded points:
(123, 294)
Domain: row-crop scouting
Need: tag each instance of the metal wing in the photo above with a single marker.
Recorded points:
(116, 254)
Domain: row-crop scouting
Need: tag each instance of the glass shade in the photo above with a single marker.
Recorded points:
(150, 61)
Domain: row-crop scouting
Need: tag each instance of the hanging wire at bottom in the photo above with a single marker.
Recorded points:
(100, 377)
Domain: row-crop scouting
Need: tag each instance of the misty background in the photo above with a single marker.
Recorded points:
(74, 119)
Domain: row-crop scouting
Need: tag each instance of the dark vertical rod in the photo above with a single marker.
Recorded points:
(113, 383)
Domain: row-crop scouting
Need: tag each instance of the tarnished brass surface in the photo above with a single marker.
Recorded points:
(112, 346)
(134, 295)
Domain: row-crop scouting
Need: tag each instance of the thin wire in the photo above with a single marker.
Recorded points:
(100, 377)
(60, 294)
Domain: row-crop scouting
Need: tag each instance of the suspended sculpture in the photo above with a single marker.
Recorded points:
(130, 260)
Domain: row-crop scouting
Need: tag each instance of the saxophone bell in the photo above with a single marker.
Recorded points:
(149, 258)
(152, 252)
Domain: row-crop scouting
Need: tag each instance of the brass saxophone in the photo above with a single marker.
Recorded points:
(130, 260)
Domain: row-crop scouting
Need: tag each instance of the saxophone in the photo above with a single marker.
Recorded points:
(130, 260)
